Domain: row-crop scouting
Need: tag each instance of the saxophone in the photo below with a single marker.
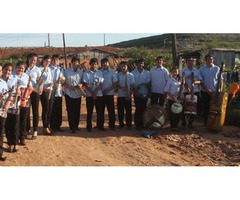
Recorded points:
(39, 83)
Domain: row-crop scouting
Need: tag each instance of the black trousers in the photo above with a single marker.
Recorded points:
(140, 105)
(124, 105)
(157, 98)
(205, 101)
(2, 125)
(108, 101)
(12, 129)
(73, 110)
(24, 112)
(173, 118)
(98, 103)
(45, 101)
(34, 104)
(56, 113)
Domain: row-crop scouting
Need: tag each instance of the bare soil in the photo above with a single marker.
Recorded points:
(129, 147)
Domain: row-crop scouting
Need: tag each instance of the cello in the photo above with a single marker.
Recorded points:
(218, 106)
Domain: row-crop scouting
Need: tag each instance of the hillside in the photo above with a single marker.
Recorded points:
(185, 41)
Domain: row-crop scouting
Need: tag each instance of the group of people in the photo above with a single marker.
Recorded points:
(29, 84)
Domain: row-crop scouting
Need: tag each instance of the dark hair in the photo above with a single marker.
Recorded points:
(123, 63)
(46, 57)
(55, 56)
(159, 57)
(20, 63)
(174, 68)
(30, 56)
(139, 60)
(75, 58)
(93, 60)
(7, 65)
(208, 56)
(104, 60)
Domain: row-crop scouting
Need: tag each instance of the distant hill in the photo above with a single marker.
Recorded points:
(185, 41)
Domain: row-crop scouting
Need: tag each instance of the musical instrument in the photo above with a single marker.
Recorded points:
(26, 92)
(39, 83)
(154, 117)
(190, 105)
(177, 106)
(78, 89)
(142, 91)
(4, 104)
(14, 102)
(218, 105)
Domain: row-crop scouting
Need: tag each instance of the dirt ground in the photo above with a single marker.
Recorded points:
(129, 147)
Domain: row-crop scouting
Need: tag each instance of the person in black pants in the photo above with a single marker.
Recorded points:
(93, 80)
(124, 100)
(73, 93)
(35, 73)
(209, 73)
(45, 97)
(141, 76)
(56, 99)
(3, 98)
(108, 89)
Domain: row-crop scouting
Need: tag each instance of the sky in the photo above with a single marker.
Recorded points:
(71, 40)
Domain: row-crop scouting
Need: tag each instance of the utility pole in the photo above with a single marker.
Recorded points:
(103, 39)
(174, 50)
(48, 42)
(64, 48)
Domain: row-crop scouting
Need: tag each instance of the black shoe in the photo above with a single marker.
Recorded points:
(101, 129)
(89, 129)
(59, 130)
(2, 158)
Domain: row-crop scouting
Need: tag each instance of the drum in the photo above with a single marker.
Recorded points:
(176, 108)
(190, 107)
(154, 117)
(142, 91)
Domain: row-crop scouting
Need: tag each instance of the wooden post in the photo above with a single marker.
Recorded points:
(174, 50)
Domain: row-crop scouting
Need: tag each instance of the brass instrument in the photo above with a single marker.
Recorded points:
(78, 89)
(39, 83)
(5, 105)
(25, 93)
(16, 99)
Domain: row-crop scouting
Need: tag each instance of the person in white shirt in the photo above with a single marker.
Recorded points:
(3, 98)
(93, 81)
(159, 76)
(56, 99)
(73, 93)
(45, 97)
(141, 76)
(33, 70)
(209, 73)
(124, 100)
(26, 90)
(192, 81)
(108, 89)
(173, 90)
